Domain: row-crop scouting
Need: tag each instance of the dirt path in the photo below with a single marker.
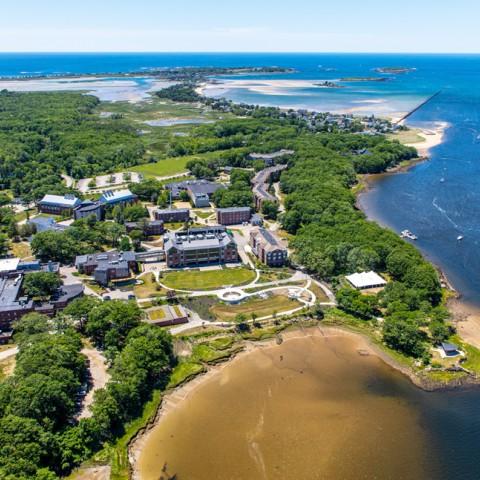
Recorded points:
(99, 377)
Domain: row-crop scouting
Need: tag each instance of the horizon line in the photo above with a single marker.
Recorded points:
(224, 52)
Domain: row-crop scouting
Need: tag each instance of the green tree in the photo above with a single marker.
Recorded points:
(109, 323)
(270, 209)
(41, 284)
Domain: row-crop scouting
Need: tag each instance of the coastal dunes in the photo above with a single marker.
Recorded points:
(310, 398)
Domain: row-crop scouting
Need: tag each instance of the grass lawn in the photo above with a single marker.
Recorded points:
(183, 371)
(163, 168)
(201, 214)
(319, 293)
(21, 250)
(149, 287)
(156, 314)
(261, 307)
(207, 279)
(273, 275)
(407, 136)
(201, 305)
(6, 367)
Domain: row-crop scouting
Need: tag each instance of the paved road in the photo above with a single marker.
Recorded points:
(8, 353)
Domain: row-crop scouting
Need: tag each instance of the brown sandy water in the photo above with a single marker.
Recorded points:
(311, 408)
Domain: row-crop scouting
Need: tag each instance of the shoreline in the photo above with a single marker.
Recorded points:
(465, 316)
(364, 346)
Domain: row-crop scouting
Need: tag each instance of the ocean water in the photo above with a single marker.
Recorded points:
(438, 200)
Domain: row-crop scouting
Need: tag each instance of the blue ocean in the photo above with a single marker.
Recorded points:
(438, 200)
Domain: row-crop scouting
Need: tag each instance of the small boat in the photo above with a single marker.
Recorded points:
(442, 180)
(408, 234)
(459, 238)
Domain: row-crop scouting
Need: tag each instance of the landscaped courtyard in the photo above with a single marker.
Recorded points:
(207, 279)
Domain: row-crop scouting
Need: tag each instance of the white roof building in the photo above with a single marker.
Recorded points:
(64, 201)
(364, 280)
(9, 264)
(117, 196)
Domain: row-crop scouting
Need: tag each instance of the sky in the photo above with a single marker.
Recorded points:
(240, 26)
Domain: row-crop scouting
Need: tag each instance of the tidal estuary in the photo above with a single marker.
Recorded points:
(313, 408)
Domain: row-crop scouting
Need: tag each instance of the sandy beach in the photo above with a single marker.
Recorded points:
(432, 138)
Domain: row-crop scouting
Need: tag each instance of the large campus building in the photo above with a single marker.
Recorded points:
(58, 204)
(173, 215)
(13, 304)
(199, 191)
(200, 246)
(107, 266)
(233, 215)
(268, 248)
(118, 197)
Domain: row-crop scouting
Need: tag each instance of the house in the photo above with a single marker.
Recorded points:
(88, 208)
(199, 246)
(167, 315)
(46, 224)
(233, 215)
(13, 305)
(173, 215)
(149, 228)
(365, 280)
(261, 182)
(107, 266)
(118, 197)
(58, 204)
(268, 248)
(450, 350)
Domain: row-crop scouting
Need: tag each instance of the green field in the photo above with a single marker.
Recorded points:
(207, 279)
(261, 307)
(163, 168)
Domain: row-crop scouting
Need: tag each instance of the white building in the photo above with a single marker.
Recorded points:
(364, 280)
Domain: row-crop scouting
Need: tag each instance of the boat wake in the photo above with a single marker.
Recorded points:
(444, 213)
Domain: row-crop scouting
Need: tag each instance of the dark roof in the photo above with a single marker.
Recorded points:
(449, 347)
(233, 209)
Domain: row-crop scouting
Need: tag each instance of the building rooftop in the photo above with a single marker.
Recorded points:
(233, 209)
(197, 238)
(366, 279)
(88, 206)
(104, 258)
(9, 264)
(113, 196)
(44, 224)
(172, 210)
(66, 201)
(9, 291)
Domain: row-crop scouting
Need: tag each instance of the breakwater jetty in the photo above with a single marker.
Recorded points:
(418, 107)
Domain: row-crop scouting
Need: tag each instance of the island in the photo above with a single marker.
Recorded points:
(394, 70)
(364, 79)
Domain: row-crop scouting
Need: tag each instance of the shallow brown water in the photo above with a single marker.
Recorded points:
(312, 408)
